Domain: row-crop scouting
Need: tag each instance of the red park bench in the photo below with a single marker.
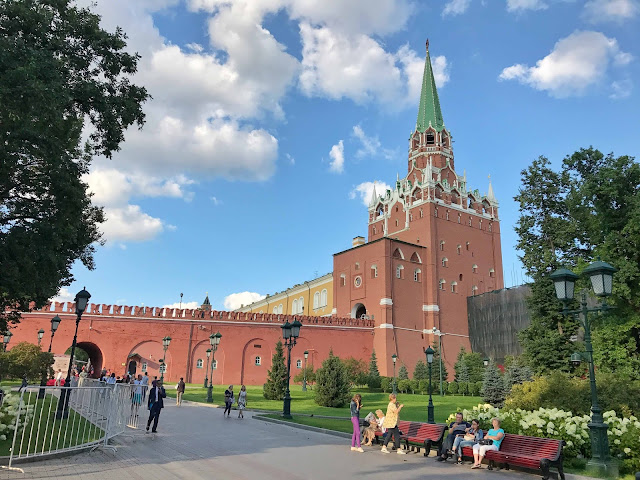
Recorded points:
(419, 435)
(527, 452)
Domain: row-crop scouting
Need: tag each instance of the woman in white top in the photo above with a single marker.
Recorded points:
(242, 401)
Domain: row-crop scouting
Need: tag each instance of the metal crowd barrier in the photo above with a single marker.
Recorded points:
(51, 420)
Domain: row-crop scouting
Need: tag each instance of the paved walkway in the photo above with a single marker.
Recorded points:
(196, 442)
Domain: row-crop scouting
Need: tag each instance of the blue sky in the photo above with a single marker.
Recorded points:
(270, 121)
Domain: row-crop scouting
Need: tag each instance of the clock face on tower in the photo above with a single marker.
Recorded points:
(357, 281)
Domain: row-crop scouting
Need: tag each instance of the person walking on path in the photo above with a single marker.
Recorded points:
(179, 391)
(356, 405)
(391, 424)
(228, 400)
(145, 385)
(155, 404)
(242, 401)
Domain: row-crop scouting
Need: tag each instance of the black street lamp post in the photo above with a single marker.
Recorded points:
(206, 375)
(290, 333)
(394, 357)
(304, 372)
(601, 275)
(40, 335)
(214, 341)
(485, 361)
(166, 341)
(55, 322)
(429, 353)
(81, 301)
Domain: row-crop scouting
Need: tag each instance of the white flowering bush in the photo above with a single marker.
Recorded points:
(8, 411)
(624, 433)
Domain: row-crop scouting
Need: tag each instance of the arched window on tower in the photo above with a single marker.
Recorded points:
(415, 258)
(399, 270)
(445, 260)
(474, 268)
(417, 275)
(459, 249)
(397, 253)
(323, 297)
(492, 273)
(294, 307)
(374, 271)
(441, 283)
(474, 290)
(316, 300)
(442, 245)
(343, 280)
(431, 138)
(199, 363)
(454, 287)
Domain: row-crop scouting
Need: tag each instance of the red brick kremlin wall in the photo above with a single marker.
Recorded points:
(115, 335)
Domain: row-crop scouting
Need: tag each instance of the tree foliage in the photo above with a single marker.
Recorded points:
(25, 359)
(493, 386)
(589, 207)
(421, 371)
(403, 373)
(276, 385)
(356, 371)
(333, 388)
(60, 75)
(374, 380)
(311, 375)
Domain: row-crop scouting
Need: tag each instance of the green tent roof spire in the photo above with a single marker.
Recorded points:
(429, 112)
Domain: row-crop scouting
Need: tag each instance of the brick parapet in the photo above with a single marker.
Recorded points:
(162, 313)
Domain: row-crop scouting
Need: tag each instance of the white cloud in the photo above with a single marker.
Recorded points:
(236, 300)
(355, 16)
(621, 89)
(413, 67)
(576, 63)
(337, 66)
(455, 7)
(130, 224)
(215, 201)
(337, 158)
(292, 160)
(370, 146)
(190, 305)
(195, 47)
(64, 295)
(597, 11)
(365, 190)
(521, 5)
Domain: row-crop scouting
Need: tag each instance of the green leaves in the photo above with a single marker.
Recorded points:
(276, 385)
(589, 208)
(60, 75)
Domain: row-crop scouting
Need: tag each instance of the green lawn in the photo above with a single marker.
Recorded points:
(336, 424)
(303, 402)
(46, 433)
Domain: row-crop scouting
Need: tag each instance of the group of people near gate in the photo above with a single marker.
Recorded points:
(461, 433)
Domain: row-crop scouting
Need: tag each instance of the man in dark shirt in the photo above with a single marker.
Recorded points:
(179, 391)
(455, 428)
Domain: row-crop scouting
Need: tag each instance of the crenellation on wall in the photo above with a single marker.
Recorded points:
(124, 311)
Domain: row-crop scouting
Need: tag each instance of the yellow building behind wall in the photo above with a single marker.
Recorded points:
(313, 298)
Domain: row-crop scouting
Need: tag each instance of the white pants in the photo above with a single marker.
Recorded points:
(483, 449)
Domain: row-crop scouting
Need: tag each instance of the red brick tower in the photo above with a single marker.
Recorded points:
(432, 242)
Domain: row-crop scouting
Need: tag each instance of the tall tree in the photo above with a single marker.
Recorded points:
(276, 385)
(333, 388)
(420, 372)
(374, 380)
(403, 373)
(546, 235)
(60, 74)
(590, 208)
(493, 391)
